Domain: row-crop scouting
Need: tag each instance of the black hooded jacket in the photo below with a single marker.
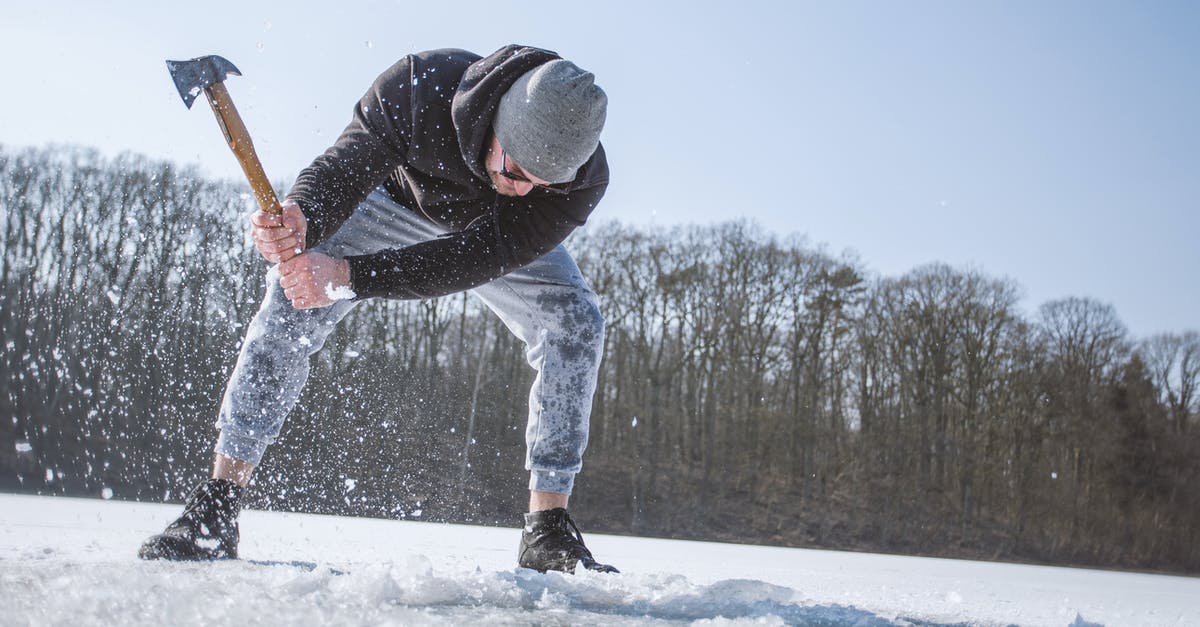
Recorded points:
(421, 132)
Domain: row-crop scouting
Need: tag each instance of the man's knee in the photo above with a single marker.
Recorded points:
(595, 323)
(579, 335)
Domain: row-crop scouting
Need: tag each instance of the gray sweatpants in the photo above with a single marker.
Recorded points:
(547, 304)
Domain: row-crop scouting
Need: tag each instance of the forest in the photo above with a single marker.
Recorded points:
(755, 388)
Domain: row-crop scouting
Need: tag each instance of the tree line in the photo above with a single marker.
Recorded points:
(754, 388)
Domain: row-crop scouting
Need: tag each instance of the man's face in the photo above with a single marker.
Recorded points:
(497, 161)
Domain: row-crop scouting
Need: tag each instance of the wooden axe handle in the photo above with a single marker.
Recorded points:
(239, 141)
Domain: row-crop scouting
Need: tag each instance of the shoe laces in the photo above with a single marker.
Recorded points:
(201, 500)
(577, 536)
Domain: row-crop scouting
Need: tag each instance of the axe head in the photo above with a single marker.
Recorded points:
(194, 76)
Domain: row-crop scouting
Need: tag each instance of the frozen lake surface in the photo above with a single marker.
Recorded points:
(73, 561)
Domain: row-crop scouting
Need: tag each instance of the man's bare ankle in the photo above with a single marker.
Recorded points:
(231, 469)
(541, 501)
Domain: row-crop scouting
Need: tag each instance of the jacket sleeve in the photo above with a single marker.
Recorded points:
(370, 148)
(513, 234)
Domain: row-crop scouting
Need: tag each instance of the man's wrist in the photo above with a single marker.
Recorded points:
(354, 276)
(344, 273)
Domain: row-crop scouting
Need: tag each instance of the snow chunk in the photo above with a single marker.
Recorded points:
(342, 292)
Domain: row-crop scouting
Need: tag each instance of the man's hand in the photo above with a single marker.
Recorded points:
(313, 280)
(279, 237)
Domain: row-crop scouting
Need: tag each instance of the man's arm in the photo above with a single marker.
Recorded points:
(487, 249)
(515, 233)
(368, 150)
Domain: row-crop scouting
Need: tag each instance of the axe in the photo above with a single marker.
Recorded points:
(207, 74)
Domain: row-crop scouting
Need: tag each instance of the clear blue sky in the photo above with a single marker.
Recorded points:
(1056, 143)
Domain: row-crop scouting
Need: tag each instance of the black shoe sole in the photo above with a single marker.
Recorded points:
(176, 549)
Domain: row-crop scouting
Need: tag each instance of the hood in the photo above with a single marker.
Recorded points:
(485, 81)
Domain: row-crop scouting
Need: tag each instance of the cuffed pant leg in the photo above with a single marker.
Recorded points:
(550, 307)
(274, 362)
(271, 371)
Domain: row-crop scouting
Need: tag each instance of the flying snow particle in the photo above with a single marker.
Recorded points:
(634, 423)
(24, 447)
(304, 341)
(1054, 475)
(113, 296)
(106, 493)
(208, 543)
(350, 484)
(351, 353)
(416, 513)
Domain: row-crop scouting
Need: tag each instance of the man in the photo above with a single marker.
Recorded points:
(456, 173)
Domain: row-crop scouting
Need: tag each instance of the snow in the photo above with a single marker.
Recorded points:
(341, 292)
(72, 561)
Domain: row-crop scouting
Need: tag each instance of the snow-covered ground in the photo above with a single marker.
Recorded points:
(72, 561)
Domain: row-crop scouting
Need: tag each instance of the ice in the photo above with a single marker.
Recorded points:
(341, 292)
(72, 561)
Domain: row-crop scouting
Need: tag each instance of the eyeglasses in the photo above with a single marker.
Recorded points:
(559, 188)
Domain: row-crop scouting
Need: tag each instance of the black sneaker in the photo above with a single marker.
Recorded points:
(207, 530)
(552, 541)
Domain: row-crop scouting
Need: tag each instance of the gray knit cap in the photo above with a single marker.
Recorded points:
(549, 121)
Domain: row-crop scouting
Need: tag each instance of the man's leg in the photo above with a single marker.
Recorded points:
(274, 362)
(271, 371)
(551, 308)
